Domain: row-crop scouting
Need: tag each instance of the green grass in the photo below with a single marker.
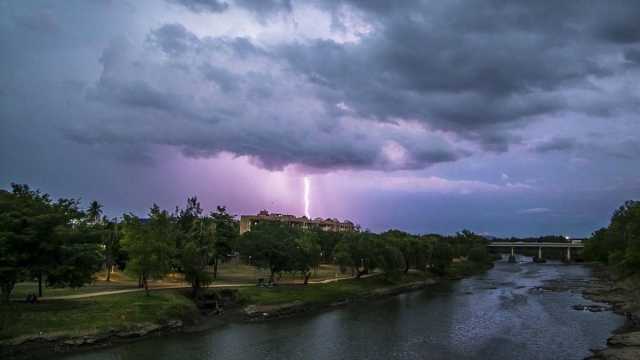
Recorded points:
(315, 294)
(97, 314)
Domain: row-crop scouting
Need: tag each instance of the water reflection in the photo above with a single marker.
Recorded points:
(497, 315)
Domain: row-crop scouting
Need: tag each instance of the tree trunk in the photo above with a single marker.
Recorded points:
(40, 284)
(146, 285)
(109, 264)
(215, 268)
(140, 283)
(306, 277)
(406, 267)
(6, 291)
(271, 277)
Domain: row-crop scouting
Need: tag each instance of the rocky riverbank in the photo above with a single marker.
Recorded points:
(624, 297)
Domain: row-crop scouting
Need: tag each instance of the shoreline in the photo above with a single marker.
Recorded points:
(624, 298)
(60, 344)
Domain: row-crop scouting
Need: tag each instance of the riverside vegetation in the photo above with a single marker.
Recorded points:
(63, 247)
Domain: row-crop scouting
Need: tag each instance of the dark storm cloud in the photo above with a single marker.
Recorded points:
(553, 144)
(199, 6)
(478, 70)
(226, 80)
(265, 7)
(173, 39)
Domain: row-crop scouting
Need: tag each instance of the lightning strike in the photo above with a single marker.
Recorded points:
(306, 197)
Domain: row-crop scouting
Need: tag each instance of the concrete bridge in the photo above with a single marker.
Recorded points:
(509, 247)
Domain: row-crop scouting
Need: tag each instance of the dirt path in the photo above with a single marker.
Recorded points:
(172, 286)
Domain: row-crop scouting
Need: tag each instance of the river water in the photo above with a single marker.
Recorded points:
(500, 314)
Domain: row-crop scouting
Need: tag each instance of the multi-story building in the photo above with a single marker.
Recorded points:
(246, 221)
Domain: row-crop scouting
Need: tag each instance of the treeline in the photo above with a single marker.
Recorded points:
(281, 248)
(619, 243)
(60, 244)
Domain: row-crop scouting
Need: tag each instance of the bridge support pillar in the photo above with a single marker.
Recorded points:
(568, 254)
(512, 257)
(539, 259)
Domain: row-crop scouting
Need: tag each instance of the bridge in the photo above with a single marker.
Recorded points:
(509, 246)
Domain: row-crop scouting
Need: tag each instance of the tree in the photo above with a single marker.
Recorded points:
(225, 237)
(197, 252)
(270, 245)
(442, 256)
(357, 250)
(307, 254)
(111, 237)
(185, 219)
(478, 254)
(150, 248)
(44, 239)
(94, 212)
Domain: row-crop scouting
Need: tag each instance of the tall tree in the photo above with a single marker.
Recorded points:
(197, 253)
(151, 248)
(44, 239)
(307, 254)
(111, 237)
(94, 211)
(226, 235)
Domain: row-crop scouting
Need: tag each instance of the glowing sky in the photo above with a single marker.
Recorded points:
(502, 117)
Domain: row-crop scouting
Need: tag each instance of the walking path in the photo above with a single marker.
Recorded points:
(174, 286)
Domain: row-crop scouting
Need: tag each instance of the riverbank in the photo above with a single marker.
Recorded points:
(624, 297)
(240, 305)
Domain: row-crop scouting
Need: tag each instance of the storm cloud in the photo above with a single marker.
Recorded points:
(478, 71)
(458, 91)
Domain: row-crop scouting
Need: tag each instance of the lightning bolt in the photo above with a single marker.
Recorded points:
(306, 197)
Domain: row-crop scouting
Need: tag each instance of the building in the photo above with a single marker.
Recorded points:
(246, 221)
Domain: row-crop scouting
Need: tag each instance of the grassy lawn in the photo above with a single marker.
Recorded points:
(234, 272)
(100, 313)
(325, 293)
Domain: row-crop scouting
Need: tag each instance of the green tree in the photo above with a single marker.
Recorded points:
(478, 254)
(44, 239)
(226, 236)
(442, 256)
(94, 212)
(357, 250)
(307, 254)
(151, 248)
(270, 245)
(197, 253)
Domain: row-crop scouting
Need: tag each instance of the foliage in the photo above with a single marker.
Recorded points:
(442, 256)
(478, 254)
(307, 254)
(197, 252)
(358, 251)
(225, 237)
(38, 238)
(94, 212)
(151, 247)
(270, 245)
(619, 243)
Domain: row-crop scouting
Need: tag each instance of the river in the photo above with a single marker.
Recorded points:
(500, 314)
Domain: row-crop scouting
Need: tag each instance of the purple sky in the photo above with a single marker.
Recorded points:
(503, 117)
